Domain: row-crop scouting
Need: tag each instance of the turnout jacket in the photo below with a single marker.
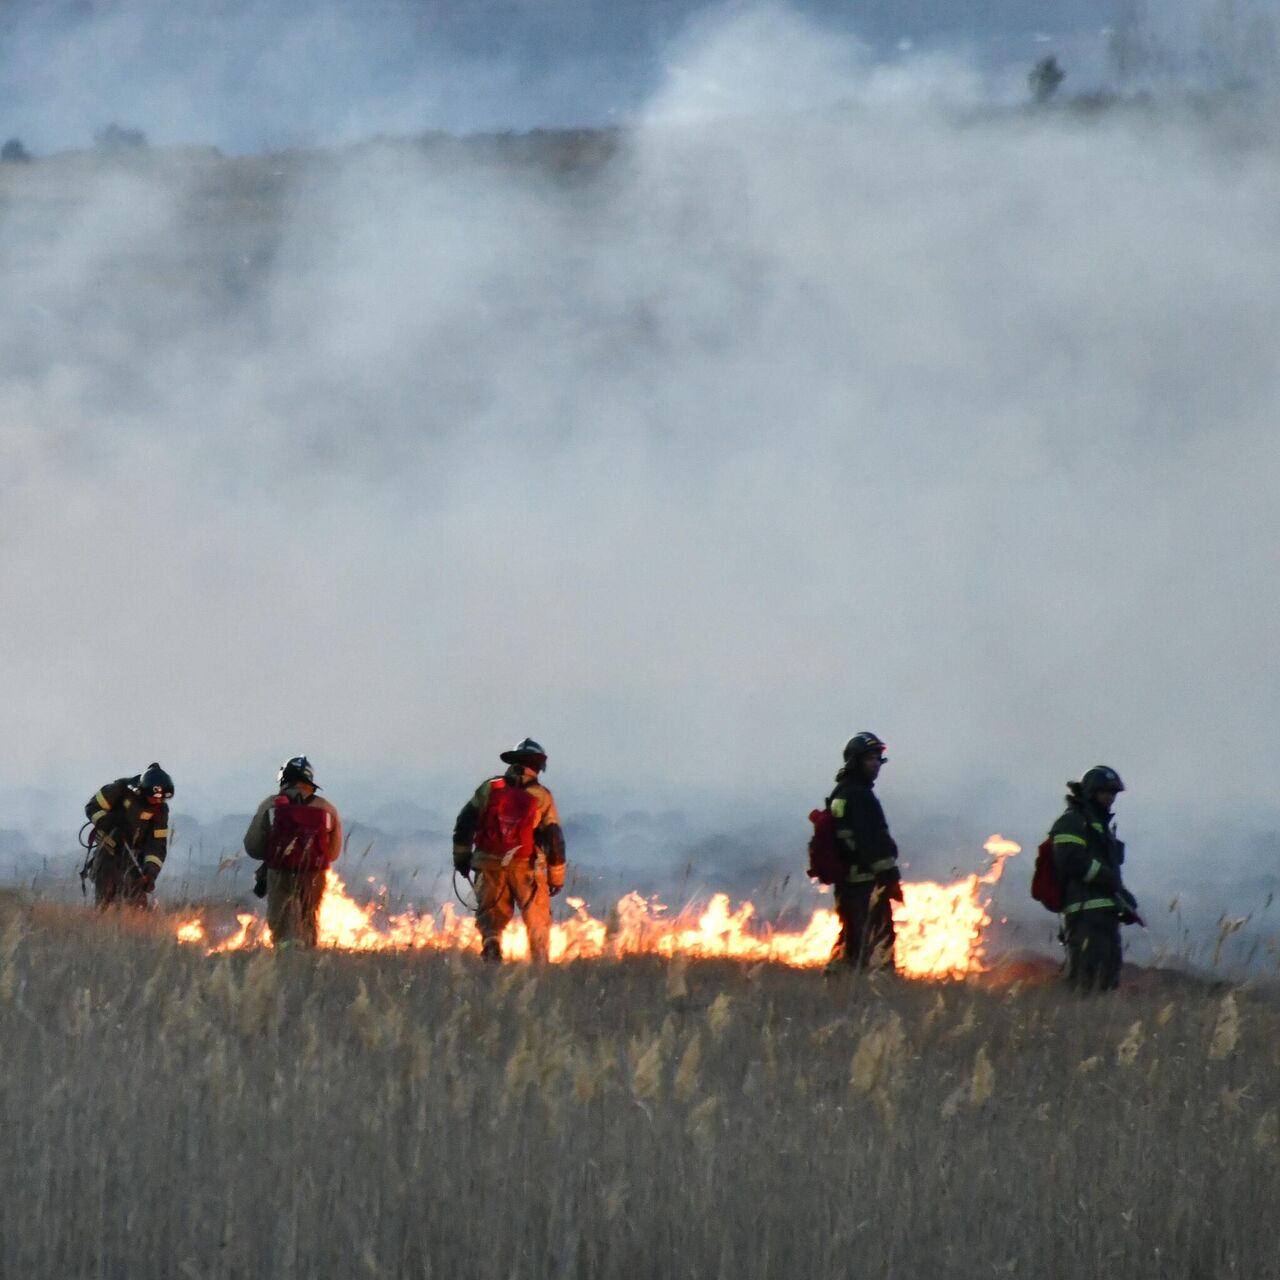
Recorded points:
(547, 835)
(1088, 856)
(257, 839)
(868, 850)
(121, 817)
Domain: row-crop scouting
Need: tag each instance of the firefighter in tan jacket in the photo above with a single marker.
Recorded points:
(508, 834)
(297, 836)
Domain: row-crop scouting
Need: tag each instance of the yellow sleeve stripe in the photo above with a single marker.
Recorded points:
(1070, 840)
(837, 808)
(103, 801)
(161, 833)
(151, 857)
(101, 813)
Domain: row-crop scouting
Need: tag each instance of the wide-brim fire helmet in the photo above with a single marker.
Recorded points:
(528, 753)
(862, 744)
(297, 769)
(154, 784)
(1101, 778)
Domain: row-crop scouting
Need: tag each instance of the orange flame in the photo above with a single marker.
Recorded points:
(939, 928)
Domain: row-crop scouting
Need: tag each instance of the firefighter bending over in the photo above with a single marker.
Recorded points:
(130, 837)
(297, 836)
(871, 883)
(1087, 857)
(518, 854)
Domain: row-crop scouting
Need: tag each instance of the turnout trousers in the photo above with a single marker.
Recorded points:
(500, 891)
(293, 907)
(115, 881)
(1093, 950)
(866, 926)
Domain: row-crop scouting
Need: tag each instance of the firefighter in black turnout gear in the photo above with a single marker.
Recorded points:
(129, 839)
(1087, 857)
(871, 881)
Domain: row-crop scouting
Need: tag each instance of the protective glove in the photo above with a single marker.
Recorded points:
(462, 859)
(890, 884)
(260, 882)
(147, 880)
(555, 879)
(107, 842)
(1129, 913)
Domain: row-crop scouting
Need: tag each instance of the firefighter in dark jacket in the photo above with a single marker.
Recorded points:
(130, 838)
(1087, 857)
(297, 836)
(871, 883)
(508, 836)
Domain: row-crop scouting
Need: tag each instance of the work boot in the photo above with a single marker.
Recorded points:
(491, 951)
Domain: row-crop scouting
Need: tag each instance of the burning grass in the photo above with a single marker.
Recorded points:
(168, 1113)
(940, 928)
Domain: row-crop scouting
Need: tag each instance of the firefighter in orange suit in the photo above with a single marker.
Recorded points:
(508, 836)
(130, 838)
(297, 836)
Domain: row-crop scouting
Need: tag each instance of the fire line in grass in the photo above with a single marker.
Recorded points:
(939, 927)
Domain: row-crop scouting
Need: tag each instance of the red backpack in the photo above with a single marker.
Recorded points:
(1046, 888)
(826, 866)
(299, 837)
(507, 823)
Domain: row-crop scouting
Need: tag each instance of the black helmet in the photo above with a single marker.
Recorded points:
(1101, 778)
(862, 744)
(155, 784)
(528, 753)
(296, 770)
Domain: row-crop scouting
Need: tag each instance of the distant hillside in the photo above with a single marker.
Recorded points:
(251, 75)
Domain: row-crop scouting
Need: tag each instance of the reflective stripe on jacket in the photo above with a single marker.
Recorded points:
(1088, 857)
(862, 831)
(119, 814)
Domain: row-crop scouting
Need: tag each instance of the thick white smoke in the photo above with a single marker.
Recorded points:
(875, 411)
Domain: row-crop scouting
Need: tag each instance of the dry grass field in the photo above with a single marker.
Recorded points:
(169, 1114)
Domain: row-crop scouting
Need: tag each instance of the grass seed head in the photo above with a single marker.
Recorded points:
(1226, 1031)
(1266, 1134)
(718, 1014)
(982, 1084)
(702, 1121)
(686, 1082)
(677, 986)
(1127, 1050)
(878, 1050)
(647, 1075)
